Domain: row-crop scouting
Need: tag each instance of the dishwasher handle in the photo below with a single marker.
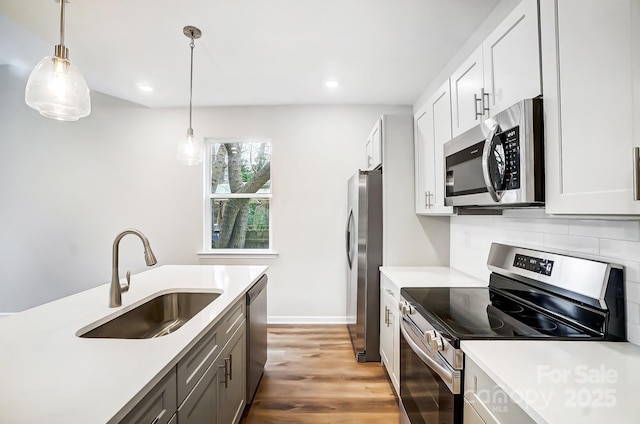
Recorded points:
(257, 289)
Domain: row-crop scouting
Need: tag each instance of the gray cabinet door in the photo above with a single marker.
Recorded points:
(200, 406)
(231, 399)
(158, 406)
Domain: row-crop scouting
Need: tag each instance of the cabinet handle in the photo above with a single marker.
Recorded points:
(477, 100)
(225, 382)
(485, 107)
(427, 200)
(636, 173)
(386, 316)
(230, 366)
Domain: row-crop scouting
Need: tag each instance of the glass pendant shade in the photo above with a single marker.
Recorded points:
(58, 90)
(190, 149)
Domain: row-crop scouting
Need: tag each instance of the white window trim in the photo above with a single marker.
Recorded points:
(207, 251)
(239, 254)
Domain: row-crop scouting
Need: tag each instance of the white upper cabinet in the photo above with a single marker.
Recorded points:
(374, 147)
(502, 71)
(467, 88)
(432, 129)
(511, 58)
(591, 76)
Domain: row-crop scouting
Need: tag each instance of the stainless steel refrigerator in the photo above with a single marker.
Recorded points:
(364, 258)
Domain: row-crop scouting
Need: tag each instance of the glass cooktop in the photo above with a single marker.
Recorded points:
(486, 313)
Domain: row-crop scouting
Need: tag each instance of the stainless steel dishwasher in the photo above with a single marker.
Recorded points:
(256, 335)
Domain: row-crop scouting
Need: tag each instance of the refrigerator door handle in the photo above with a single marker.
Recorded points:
(348, 237)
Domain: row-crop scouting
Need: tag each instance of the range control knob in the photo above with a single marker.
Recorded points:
(428, 336)
(406, 308)
(437, 344)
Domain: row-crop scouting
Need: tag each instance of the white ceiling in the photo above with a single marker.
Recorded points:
(252, 52)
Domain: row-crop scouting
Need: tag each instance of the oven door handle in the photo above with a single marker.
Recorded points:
(450, 377)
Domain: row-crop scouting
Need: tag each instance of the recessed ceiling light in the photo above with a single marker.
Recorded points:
(145, 87)
(331, 83)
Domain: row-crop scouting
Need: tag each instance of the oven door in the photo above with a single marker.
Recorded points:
(430, 389)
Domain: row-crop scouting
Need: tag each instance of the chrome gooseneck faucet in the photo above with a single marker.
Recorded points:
(116, 290)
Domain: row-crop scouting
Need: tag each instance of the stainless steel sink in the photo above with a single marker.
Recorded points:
(157, 317)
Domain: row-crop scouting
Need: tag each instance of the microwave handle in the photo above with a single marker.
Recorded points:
(485, 164)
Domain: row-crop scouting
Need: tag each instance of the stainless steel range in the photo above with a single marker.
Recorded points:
(531, 295)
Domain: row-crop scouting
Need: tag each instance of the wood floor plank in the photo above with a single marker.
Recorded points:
(312, 377)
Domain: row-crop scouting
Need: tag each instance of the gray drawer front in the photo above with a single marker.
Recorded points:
(233, 319)
(193, 366)
(157, 407)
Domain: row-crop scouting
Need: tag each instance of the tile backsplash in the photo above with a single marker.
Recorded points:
(615, 241)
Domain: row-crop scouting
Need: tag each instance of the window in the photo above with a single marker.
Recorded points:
(238, 196)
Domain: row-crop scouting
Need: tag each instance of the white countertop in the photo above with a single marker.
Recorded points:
(48, 374)
(429, 276)
(560, 382)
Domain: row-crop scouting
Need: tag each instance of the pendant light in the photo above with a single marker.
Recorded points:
(56, 88)
(190, 148)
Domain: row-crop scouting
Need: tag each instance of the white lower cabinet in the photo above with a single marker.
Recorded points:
(208, 384)
(485, 402)
(470, 416)
(390, 331)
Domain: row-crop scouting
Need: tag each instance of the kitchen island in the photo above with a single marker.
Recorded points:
(49, 374)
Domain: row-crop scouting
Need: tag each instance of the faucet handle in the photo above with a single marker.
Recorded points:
(125, 287)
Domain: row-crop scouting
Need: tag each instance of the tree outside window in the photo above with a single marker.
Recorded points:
(238, 195)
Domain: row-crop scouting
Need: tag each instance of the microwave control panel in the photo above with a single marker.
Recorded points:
(511, 143)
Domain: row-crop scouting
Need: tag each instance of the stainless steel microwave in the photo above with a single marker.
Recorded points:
(499, 163)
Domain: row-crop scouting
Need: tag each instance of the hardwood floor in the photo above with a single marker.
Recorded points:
(312, 377)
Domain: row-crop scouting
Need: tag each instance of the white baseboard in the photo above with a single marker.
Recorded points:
(306, 320)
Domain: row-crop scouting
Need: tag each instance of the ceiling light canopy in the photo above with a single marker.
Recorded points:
(190, 148)
(331, 83)
(56, 88)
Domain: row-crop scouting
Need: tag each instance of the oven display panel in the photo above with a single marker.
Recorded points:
(537, 265)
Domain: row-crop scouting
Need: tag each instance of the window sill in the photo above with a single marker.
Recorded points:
(235, 254)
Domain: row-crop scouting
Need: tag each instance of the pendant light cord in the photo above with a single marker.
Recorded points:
(192, 45)
(62, 22)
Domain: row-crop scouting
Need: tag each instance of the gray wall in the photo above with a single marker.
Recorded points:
(67, 189)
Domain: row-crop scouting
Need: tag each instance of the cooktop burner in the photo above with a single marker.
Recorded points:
(539, 322)
(508, 307)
